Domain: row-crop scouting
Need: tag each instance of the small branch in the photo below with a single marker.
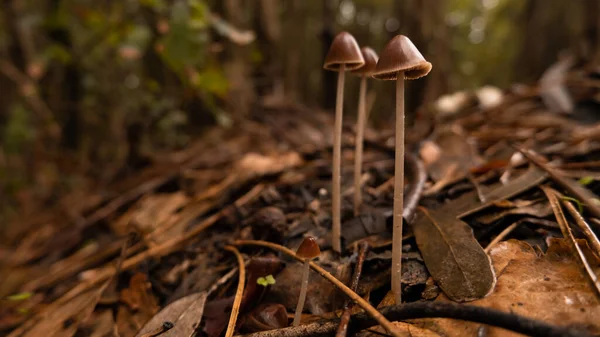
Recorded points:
(235, 310)
(414, 310)
(552, 196)
(572, 187)
(583, 225)
(377, 316)
(342, 330)
(501, 236)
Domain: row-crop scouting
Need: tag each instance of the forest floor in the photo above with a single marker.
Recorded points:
(501, 234)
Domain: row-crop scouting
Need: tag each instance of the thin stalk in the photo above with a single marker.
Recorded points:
(303, 290)
(398, 192)
(235, 309)
(336, 203)
(360, 132)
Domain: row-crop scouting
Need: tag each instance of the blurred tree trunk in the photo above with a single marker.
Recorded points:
(592, 30)
(327, 35)
(268, 25)
(549, 27)
(238, 67)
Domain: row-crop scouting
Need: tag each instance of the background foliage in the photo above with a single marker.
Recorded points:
(93, 90)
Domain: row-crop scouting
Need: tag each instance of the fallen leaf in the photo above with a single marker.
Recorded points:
(139, 305)
(151, 211)
(266, 316)
(540, 210)
(550, 287)
(403, 329)
(185, 314)
(469, 204)
(453, 256)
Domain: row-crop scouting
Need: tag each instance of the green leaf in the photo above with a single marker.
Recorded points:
(270, 279)
(20, 296)
(262, 281)
(586, 180)
(266, 281)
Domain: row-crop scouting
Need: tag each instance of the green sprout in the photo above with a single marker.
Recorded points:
(579, 203)
(586, 180)
(20, 296)
(266, 281)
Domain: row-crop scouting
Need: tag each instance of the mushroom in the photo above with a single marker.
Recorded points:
(344, 55)
(399, 60)
(370, 57)
(308, 250)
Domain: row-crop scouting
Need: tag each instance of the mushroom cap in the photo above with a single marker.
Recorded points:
(400, 54)
(309, 249)
(370, 57)
(343, 50)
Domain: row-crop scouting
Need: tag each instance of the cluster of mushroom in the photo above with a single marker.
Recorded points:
(399, 60)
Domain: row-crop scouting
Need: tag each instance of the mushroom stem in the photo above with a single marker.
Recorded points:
(360, 131)
(303, 290)
(337, 163)
(398, 192)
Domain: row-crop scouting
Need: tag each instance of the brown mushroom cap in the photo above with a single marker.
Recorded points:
(343, 50)
(370, 57)
(400, 54)
(309, 249)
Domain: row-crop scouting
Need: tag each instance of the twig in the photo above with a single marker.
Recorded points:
(354, 296)
(583, 225)
(342, 330)
(501, 236)
(575, 189)
(566, 231)
(464, 312)
(235, 310)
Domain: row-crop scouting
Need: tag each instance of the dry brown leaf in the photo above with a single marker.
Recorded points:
(254, 164)
(151, 211)
(550, 287)
(185, 314)
(404, 329)
(139, 305)
(453, 256)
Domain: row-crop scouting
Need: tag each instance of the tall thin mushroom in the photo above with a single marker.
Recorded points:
(399, 60)
(364, 72)
(344, 55)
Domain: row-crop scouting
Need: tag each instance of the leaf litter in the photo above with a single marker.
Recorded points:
(269, 180)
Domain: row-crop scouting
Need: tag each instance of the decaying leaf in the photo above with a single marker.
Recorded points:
(185, 314)
(404, 329)
(469, 204)
(139, 305)
(151, 211)
(550, 287)
(453, 256)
